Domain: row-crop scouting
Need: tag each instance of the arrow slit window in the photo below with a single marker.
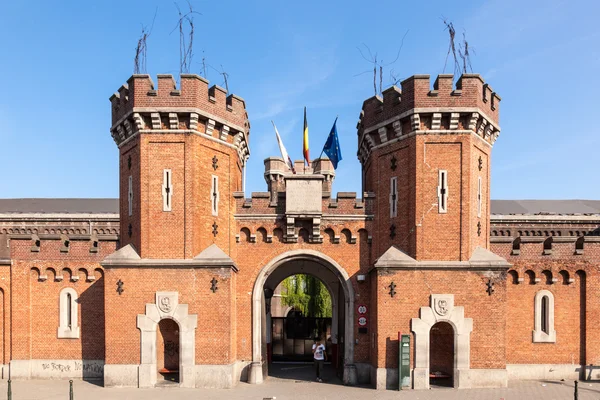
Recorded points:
(442, 191)
(543, 331)
(167, 190)
(68, 325)
(130, 196)
(214, 195)
(393, 197)
(479, 197)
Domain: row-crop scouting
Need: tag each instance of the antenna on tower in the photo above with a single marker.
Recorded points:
(139, 62)
(465, 55)
(372, 59)
(186, 37)
(451, 45)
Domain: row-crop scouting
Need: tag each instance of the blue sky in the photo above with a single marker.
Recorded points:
(62, 60)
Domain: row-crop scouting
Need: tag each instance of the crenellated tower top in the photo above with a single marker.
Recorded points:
(416, 108)
(140, 105)
(425, 153)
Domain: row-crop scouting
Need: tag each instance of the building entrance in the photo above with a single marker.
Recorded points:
(292, 337)
(167, 346)
(441, 358)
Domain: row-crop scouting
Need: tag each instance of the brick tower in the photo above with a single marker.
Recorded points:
(182, 153)
(426, 155)
(181, 156)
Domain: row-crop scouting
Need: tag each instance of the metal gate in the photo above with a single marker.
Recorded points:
(292, 337)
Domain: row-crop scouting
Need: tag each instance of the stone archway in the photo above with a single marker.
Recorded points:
(442, 309)
(165, 306)
(256, 370)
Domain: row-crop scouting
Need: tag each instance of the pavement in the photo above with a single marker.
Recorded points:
(294, 382)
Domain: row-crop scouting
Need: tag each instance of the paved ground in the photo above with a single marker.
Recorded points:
(292, 382)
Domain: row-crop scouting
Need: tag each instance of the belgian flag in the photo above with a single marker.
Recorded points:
(305, 140)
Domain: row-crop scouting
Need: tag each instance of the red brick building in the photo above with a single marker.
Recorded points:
(177, 274)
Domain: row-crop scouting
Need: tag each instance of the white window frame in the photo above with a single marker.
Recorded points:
(68, 328)
(479, 197)
(393, 197)
(214, 194)
(130, 196)
(167, 195)
(442, 185)
(539, 336)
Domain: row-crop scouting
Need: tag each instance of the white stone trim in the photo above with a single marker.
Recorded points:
(442, 191)
(539, 336)
(548, 371)
(393, 197)
(224, 132)
(130, 196)
(167, 305)
(479, 197)
(173, 121)
(426, 110)
(167, 190)
(68, 329)
(382, 134)
(214, 195)
(442, 309)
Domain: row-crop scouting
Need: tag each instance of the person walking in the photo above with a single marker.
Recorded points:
(319, 354)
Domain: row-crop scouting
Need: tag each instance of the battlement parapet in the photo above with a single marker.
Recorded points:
(417, 107)
(194, 92)
(139, 105)
(344, 205)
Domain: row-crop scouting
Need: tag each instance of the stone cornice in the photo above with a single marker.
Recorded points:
(169, 263)
(445, 265)
(324, 217)
(124, 130)
(479, 124)
(44, 236)
(431, 110)
(58, 217)
(544, 219)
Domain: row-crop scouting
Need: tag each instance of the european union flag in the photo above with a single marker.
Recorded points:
(332, 146)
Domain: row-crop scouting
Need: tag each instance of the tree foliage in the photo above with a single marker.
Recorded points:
(308, 295)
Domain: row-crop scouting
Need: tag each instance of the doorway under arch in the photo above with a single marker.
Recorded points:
(441, 355)
(167, 347)
(338, 283)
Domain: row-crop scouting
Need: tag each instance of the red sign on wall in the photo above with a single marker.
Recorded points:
(362, 309)
(362, 321)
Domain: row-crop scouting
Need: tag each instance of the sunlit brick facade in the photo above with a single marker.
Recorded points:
(178, 273)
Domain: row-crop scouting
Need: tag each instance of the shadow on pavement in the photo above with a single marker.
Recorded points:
(302, 373)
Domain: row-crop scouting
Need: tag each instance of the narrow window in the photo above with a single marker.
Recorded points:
(69, 311)
(130, 196)
(244, 178)
(68, 327)
(393, 197)
(543, 331)
(545, 314)
(443, 191)
(167, 190)
(479, 197)
(214, 195)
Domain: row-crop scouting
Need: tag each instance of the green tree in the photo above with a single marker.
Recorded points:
(307, 294)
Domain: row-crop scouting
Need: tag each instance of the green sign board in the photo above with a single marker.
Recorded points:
(404, 361)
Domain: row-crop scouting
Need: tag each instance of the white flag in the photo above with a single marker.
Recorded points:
(284, 153)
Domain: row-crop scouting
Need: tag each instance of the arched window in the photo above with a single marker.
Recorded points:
(68, 316)
(543, 331)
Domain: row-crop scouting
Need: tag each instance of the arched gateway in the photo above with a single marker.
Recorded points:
(337, 281)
